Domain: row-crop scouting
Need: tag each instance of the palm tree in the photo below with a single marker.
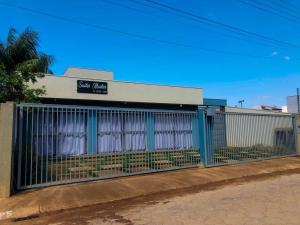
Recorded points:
(20, 64)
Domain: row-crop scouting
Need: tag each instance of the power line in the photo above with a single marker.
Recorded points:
(245, 39)
(204, 22)
(220, 24)
(293, 6)
(135, 35)
(283, 9)
(125, 6)
(271, 10)
(285, 5)
(237, 29)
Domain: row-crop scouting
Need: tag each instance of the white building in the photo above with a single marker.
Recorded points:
(292, 104)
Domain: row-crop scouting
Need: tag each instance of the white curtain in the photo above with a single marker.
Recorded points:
(173, 131)
(109, 132)
(183, 131)
(64, 131)
(134, 128)
(164, 134)
(72, 133)
(58, 132)
(121, 131)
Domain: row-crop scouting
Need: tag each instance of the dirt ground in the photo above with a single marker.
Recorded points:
(267, 201)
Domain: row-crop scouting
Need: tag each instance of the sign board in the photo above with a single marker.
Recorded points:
(91, 87)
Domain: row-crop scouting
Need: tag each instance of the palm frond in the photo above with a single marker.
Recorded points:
(21, 63)
(2, 52)
(11, 37)
(44, 62)
(25, 47)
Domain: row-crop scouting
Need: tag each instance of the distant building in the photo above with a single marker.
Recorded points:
(284, 109)
(268, 108)
(254, 111)
(292, 104)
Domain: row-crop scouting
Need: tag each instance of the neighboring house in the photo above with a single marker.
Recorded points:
(292, 104)
(284, 109)
(268, 108)
(254, 111)
(254, 130)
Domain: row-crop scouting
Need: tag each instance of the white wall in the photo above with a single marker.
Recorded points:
(89, 73)
(247, 127)
(292, 104)
(253, 111)
(62, 87)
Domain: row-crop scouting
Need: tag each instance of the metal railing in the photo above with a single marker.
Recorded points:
(62, 144)
(58, 144)
(241, 137)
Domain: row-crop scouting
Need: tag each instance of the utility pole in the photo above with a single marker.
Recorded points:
(241, 102)
(298, 99)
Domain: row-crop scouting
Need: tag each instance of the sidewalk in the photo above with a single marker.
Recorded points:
(33, 202)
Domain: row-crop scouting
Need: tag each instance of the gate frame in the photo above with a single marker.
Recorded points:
(296, 131)
(149, 135)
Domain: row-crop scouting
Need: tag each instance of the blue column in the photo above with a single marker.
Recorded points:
(202, 135)
(150, 132)
(209, 152)
(195, 133)
(92, 132)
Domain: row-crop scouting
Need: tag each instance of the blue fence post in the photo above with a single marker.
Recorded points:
(209, 140)
(202, 135)
(150, 131)
(92, 132)
(195, 133)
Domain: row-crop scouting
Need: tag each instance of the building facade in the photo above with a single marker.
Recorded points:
(84, 86)
(89, 126)
(292, 104)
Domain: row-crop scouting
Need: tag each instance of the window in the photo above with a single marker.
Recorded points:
(173, 131)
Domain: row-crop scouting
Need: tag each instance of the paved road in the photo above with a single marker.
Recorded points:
(273, 201)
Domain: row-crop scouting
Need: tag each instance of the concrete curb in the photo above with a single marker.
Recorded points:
(20, 213)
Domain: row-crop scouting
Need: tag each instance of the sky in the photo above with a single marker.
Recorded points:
(94, 34)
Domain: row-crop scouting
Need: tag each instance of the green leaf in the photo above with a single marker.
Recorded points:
(21, 63)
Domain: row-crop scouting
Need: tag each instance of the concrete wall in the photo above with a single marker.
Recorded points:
(6, 145)
(298, 133)
(66, 88)
(292, 104)
(249, 126)
(245, 131)
(253, 111)
(89, 73)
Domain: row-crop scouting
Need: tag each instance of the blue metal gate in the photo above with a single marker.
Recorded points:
(233, 137)
(58, 144)
(63, 144)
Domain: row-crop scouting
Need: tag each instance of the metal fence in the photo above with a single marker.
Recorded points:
(58, 144)
(242, 137)
(62, 144)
